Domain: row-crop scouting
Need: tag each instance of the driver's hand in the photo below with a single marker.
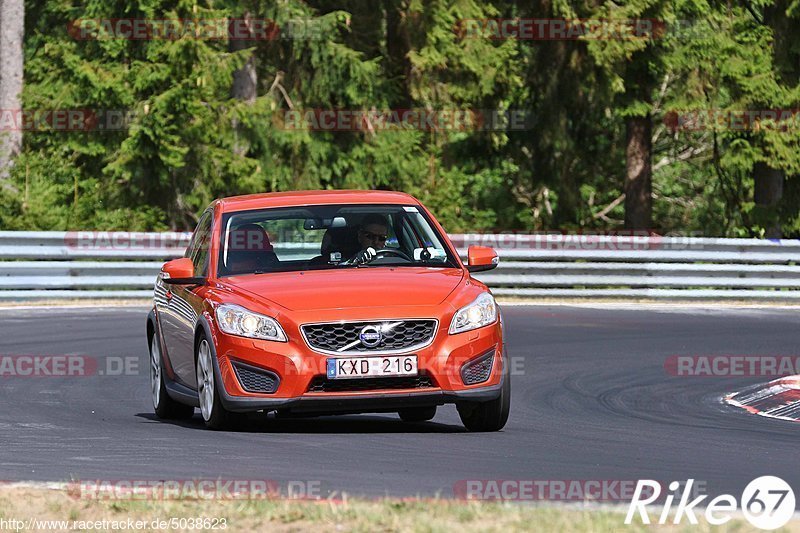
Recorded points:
(365, 256)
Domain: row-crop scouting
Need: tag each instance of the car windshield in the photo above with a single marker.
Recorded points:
(329, 237)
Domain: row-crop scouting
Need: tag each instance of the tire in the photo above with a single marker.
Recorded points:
(417, 414)
(491, 415)
(164, 406)
(214, 413)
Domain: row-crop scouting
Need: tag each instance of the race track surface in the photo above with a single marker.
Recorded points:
(591, 400)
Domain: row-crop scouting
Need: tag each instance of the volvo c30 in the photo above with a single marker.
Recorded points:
(326, 302)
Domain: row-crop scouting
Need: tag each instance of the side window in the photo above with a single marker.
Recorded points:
(190, 250)
(393, 240)
(410, 240)
(199, 250)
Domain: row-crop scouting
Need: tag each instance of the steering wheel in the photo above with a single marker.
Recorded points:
(393, 251)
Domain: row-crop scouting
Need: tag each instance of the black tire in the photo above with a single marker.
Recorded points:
(491, 415)
(417, 414)
(217, 418)
(163, 405)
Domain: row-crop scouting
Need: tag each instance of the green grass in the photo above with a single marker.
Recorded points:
(387, 515)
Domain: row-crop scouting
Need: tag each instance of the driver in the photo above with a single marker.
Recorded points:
(372, 235)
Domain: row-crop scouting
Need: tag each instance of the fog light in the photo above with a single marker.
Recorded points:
(479, 369)
(256, 380)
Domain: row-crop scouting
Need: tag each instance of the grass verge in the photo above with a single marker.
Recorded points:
(321, 516)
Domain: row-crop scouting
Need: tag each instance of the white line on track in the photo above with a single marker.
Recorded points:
(67, 307)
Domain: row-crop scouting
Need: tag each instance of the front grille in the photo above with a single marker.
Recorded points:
(256, 380)
(478, 370)
(395, 336)
(323, 384)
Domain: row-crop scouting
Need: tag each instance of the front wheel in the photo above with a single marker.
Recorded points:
(164, 406)
(214, 414)
(491, 415)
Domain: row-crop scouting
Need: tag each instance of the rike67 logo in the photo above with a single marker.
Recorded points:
(767, 502)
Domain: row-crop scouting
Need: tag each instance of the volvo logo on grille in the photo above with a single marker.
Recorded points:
(370, 336)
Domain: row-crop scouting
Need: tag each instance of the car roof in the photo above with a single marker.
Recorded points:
(300, 198)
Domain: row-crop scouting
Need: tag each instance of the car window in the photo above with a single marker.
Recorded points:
(200, 247)
(423, 240)
(327, 236)
(393, 240)
(292, 241)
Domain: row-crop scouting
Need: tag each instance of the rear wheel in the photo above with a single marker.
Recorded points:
(491, 415)
(163, 405)
(214, 414)
(417, 414)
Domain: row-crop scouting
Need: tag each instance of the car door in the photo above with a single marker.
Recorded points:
(183, 306)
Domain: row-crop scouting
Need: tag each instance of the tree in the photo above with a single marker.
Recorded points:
(638, 182)
(736, 70)
(566, 162)
(768, 175)
(635, 64)
(245, 79)
(12, 24)
(602, 147)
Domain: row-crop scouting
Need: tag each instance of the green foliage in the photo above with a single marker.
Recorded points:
(187, 141)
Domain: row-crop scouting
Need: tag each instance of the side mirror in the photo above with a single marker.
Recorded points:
(180, 272)
(481, 259)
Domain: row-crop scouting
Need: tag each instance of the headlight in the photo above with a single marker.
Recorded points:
(236, 320)
(481, 312)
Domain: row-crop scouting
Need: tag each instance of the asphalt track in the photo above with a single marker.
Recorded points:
(591, 401)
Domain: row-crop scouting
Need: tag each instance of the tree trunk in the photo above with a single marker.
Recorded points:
(638, 173)
(397, 48)
(768, 183)
(245, 83)
(245, 79)
(12, 24)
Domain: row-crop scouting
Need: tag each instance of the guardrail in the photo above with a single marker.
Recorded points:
(45, 265)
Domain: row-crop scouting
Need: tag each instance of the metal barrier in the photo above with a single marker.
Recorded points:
(56, 265)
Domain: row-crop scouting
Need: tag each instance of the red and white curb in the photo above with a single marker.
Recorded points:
(777, 399)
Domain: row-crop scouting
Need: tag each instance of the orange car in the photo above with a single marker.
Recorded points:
(326, 302)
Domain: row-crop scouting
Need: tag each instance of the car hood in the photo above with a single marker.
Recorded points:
(351, 288)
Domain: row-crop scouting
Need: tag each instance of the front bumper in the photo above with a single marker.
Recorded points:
(360, 403)
(297, 366)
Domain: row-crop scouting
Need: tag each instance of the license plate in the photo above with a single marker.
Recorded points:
(370, 367)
